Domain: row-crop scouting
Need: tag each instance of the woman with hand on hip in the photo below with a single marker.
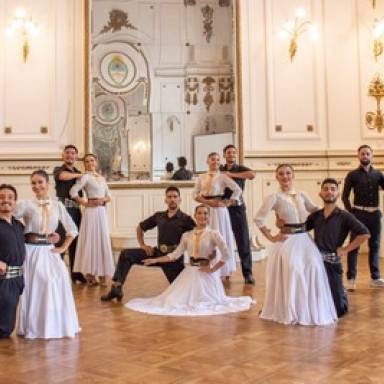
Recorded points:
(47, 308)
(94, 252)
(197, 290)
(297, 288)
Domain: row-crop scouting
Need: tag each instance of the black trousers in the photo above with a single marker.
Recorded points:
(75, 213)
(129, 257)
(335, 278)
(372, 220)
(10, 291)
(240, 230)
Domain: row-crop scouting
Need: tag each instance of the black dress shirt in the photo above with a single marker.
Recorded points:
(12, 247)
(64, 186)
(169, 229)
(331, 232)
(365, 187)
(182, 174)
(236, 168)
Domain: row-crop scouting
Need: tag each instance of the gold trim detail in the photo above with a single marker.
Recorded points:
(86, 42)
(207, 12)
(208, 88)
(238, 82)
(375, 120)
(117, 20)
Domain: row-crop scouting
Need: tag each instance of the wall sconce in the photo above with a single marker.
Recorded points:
(378, 34)
(375, 120)
(27, 28)
(294, 28)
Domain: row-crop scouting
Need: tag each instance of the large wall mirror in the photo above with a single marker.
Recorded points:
(161, 73)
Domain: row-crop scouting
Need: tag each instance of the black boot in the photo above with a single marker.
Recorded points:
(115, 293)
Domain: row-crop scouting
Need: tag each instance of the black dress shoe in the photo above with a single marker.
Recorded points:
(114, 293)
(78, 277)
(249, 280)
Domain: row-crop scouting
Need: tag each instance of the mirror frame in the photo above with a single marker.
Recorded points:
(237, 76)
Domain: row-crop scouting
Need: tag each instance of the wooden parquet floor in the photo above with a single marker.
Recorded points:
(117, 345)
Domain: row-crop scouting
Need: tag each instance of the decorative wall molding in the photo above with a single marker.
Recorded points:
(117, 20)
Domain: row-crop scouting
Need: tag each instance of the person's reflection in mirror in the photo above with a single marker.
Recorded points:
(168, 171)
(182, 173)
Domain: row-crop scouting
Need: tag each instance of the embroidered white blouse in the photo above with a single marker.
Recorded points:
(207, 243)
(94, 186)
(292, 207)
(43, 216)
(214, 184)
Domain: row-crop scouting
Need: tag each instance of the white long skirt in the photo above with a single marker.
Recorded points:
(47, 309)
(94, 251)
(297, 287)
(219, 219)
(193, 293)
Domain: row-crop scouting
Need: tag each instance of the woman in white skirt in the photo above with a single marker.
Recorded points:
(93, 252)
(211, 189)
(47, 309)
(198, 289)
(297, 288)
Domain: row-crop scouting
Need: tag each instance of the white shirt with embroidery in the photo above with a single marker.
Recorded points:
(292, 207)
(207, 185)
(209, 240)
(32, 214)
(95, 186)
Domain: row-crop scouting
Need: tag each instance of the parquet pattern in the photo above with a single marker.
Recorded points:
(119, 346)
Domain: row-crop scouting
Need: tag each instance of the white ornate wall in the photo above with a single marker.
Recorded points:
(319, 101)
(47, 91)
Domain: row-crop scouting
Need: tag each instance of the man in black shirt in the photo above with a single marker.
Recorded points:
(12, 253)
(365, 181)
(182, 173)
(237, 213)
(331, 227)
(171, 224)
(65, 177)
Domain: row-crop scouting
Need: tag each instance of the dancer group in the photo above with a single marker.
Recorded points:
(304, 283)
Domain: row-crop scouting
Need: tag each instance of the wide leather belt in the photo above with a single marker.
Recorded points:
(164, 248)
(366, 209)
(198, 261)
(331, 257)
(69, 203)
(214, 197)
(12, 272)
(293, 228)
(36, 239)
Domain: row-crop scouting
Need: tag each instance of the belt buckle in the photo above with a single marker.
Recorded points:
(163, 248)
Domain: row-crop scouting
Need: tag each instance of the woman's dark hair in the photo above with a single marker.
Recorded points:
(201, 206)
(9, 187)
(284, 165)
(90, 155)
(169, 167)
(213, 154)
(42, 173)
